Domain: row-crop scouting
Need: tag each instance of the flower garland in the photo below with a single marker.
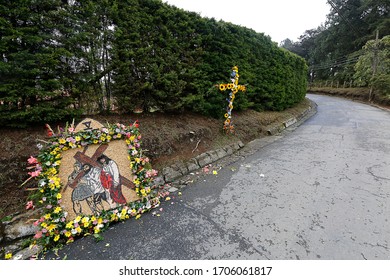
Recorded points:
(234, 87)
(54, 227)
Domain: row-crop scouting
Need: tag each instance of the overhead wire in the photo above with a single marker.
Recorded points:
(341, 61)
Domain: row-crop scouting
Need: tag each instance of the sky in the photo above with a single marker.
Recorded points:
(279, 19)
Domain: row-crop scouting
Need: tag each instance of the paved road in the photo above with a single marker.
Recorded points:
(325, 194)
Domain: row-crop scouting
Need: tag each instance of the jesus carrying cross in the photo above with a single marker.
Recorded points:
(95, 179)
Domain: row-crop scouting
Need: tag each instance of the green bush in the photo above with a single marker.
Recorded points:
(134, 53)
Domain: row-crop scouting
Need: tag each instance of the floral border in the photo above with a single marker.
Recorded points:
(54, 229)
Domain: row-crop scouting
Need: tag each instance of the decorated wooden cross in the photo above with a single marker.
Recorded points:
(233, 87)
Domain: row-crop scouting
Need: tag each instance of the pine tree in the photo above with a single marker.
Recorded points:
(30, 65)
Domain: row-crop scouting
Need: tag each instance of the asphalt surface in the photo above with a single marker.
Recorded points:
(320, 190)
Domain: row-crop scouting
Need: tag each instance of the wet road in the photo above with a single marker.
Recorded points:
(320, 191)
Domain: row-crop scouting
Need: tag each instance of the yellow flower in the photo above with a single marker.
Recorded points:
(44, 225)
(8, 256)
(57, 210)
(68, 234)
(79, 230)
(118, 135)
(53, 153)
(47, 216)
(59, 196)
(138, 216)
(51, 171)
(78, 219)
(69, 225)
(109, 138)
(132, 138)
(84, 220)
(51, 227)
(93, 218)
(136, 182)
(95, 141)
(56, 238)
(62, 141)
(96, 229)
(72, 145)
(65, 148)
(77, 138)
(86, 224)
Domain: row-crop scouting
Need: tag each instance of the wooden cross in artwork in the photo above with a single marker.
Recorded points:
(234, 87)
(83, 159)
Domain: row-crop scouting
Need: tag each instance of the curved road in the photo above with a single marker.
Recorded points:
(320, 191)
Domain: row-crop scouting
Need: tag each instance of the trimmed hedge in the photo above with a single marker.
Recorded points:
(134, 53)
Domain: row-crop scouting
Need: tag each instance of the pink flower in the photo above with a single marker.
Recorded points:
(38, 235)
(30, 205)
(71, 129)
(35, 173)
(32, 160)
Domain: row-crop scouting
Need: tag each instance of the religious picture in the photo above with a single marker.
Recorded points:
(93, 181)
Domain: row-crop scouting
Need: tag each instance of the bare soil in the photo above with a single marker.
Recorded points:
(166, 138)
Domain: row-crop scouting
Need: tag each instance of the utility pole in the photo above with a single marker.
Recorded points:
(374, 65)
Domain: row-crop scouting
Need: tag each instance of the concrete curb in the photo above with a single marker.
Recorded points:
(181, 169)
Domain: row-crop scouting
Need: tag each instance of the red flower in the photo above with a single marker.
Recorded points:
(30, 205)
(32, 160)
